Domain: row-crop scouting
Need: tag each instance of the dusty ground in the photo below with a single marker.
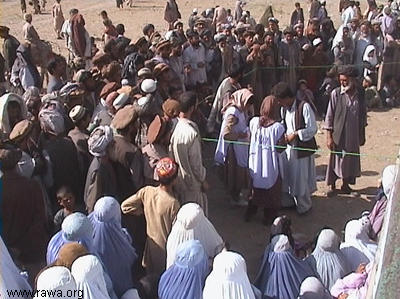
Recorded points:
(383, 134)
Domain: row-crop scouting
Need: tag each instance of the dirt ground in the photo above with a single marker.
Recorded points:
(381, 149)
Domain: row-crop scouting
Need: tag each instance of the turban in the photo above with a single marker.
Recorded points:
(98, 141)
(51, 122)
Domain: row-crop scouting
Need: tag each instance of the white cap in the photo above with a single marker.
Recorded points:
(195, 10)
(148, 86)
(77, 113)
(120, 101)
(316, 42)
(142, 101)
(124, 82)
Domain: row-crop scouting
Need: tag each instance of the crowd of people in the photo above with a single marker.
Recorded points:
(104, 183)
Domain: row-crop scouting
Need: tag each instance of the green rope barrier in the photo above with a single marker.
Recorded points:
(343, 153)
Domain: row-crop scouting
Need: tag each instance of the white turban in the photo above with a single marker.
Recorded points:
(98, 141)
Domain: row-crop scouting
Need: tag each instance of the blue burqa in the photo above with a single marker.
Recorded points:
(75, 228)
(112, 244)
(185, 278)
(281, 273)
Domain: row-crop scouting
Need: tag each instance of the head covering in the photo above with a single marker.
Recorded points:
(51, 122)
(192, 224)
(99, 140)
(162, 44)
(239, 99)
(372, 60)
(56, 280)
(75, 228)
(298, 25)
(120, 100)
(124, 117)
(127, 89)
(282, 225)
(228, 279)
(160, 68)
(327, 260)
(4, 101)
(171, 108)
(31, 94)
(156, 129)
(108, 88)
(89, 277)
(269, 111)
(21, 130)
(110, 99)
(186, 277)
(166, 168)
(281, 273)
(10, 278)
(357, 247)
(273, 20)
(388, 179)
(312, 288)
(220, 37)
(77, 113)
(68, 253)
(148, 86)
(144, 71)
(111, 242)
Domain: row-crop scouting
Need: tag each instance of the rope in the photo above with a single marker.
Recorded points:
(308, 67)
(297, 148)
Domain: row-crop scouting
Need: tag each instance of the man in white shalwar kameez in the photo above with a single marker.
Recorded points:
(298, 181)
(185, 149)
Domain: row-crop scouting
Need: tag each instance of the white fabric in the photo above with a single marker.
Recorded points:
(120, 101)
(241, 150)
(56, 282)
(264, 163)
(148, 86)
(312, 288)
(357, 247)
(228, 279)
(280, 243)
(388, 178)
(298, 179)
(347, 15)
(192, 224)
(89, 277)
(4, 101)
(99, 141)
(10, 278)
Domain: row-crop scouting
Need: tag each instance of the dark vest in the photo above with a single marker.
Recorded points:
(300, 124)
(340, 116)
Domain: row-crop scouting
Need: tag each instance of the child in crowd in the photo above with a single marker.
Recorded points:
(66, 199)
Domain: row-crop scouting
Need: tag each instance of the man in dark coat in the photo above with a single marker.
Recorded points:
(23, 215)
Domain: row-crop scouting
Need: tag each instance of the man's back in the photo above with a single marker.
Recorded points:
(24, 217)
(185, 149)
